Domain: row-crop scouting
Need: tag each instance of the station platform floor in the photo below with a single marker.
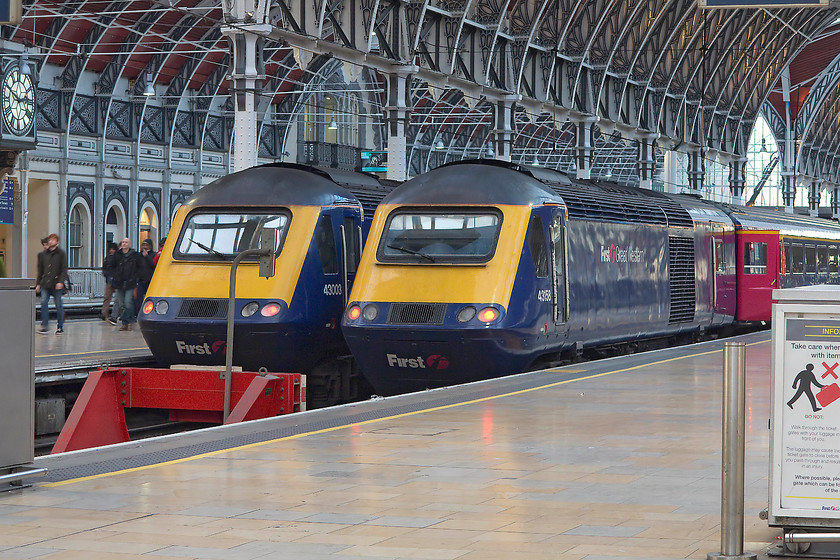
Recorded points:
(85, 342)
(610, 459)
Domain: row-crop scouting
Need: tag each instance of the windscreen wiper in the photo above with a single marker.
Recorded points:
(411, 252)
(209, 250)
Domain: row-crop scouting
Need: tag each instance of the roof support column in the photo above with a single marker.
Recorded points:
(788, 188)
(737, 178)
(835, 202)
(396, 118)
(503, 133)
(670, 171)
(249, 23)
(583, 155)
(696, 170)
(814, 197)
(788, 169)
(647, 160)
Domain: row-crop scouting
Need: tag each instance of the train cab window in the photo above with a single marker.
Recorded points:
(832, 261)
(429, 236)
(536, 243)
(810, 259)
(755, 257)
(797, 258)
(211, 235)
(822, 260)
(325, 242)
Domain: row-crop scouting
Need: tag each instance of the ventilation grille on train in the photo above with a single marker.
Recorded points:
(608, 202)
(203, 309)
(681, 278)
(416, 314)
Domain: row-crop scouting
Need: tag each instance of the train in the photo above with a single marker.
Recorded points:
(287, 323)
(481, 268)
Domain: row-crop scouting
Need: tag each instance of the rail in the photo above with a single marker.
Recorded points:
(87, 288)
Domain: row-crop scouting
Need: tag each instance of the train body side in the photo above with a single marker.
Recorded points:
(606, 281)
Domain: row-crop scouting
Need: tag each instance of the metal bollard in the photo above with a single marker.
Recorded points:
(732, 463)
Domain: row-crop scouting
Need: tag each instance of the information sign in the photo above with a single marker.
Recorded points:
(7, 201)
(805, 417)
(811, 415)
(374, 161)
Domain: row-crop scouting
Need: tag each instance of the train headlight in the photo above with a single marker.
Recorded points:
(270, 310)
(466, 314)
(488, 314)
(162, 307)
(250, 309)
(370, 312)
(354, 312)
(148, 306)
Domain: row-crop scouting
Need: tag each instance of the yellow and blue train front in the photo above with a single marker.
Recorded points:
(278, 324)
(431, 305)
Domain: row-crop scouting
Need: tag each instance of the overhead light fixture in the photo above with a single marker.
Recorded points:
(490, 152)
(333, 125)
(608, 172)
(536, 162)
(439, 145)
(25, 69)
(149, 90)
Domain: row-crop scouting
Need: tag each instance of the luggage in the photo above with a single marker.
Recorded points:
(828, 394)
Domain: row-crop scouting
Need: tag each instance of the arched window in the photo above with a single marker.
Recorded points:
(114, 224)
(148, 224)
(77, 237)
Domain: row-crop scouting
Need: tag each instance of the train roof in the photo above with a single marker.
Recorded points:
(702, 210)
(761, 218)
(282, 184)
(595, 200)
(474, 182)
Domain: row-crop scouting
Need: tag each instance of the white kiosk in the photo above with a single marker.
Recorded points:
(805, 421)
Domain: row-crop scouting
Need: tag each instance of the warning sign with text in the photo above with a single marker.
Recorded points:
(810, 461)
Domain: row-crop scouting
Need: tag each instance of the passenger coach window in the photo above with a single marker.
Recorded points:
(536, 243)
(720, 257)
(425, 236)
(325, 241)
(832, 261)
(755, 258)
(223, 236)
(822, 260)
(810, 259)
(797, 258)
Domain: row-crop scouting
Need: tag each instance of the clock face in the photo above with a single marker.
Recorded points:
(18, 98)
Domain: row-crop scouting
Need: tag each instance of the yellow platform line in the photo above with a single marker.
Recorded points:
(364, 422)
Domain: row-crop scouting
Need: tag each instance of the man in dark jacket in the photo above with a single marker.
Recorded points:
(52, 276)
(109, 270)
(145, 269)
(125, 280)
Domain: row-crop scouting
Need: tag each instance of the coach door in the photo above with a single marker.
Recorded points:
(560, 291)
(723, 277)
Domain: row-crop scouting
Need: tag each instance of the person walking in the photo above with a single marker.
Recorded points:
(145, 268)
(125, 282)
(109, 271)
(52, 277)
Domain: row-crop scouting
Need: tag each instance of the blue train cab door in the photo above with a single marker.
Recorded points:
(350, 234)
(559, 280)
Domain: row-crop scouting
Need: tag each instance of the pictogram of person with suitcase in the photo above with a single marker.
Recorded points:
(802, 383)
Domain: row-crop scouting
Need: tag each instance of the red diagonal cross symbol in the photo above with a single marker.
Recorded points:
(829, 370)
